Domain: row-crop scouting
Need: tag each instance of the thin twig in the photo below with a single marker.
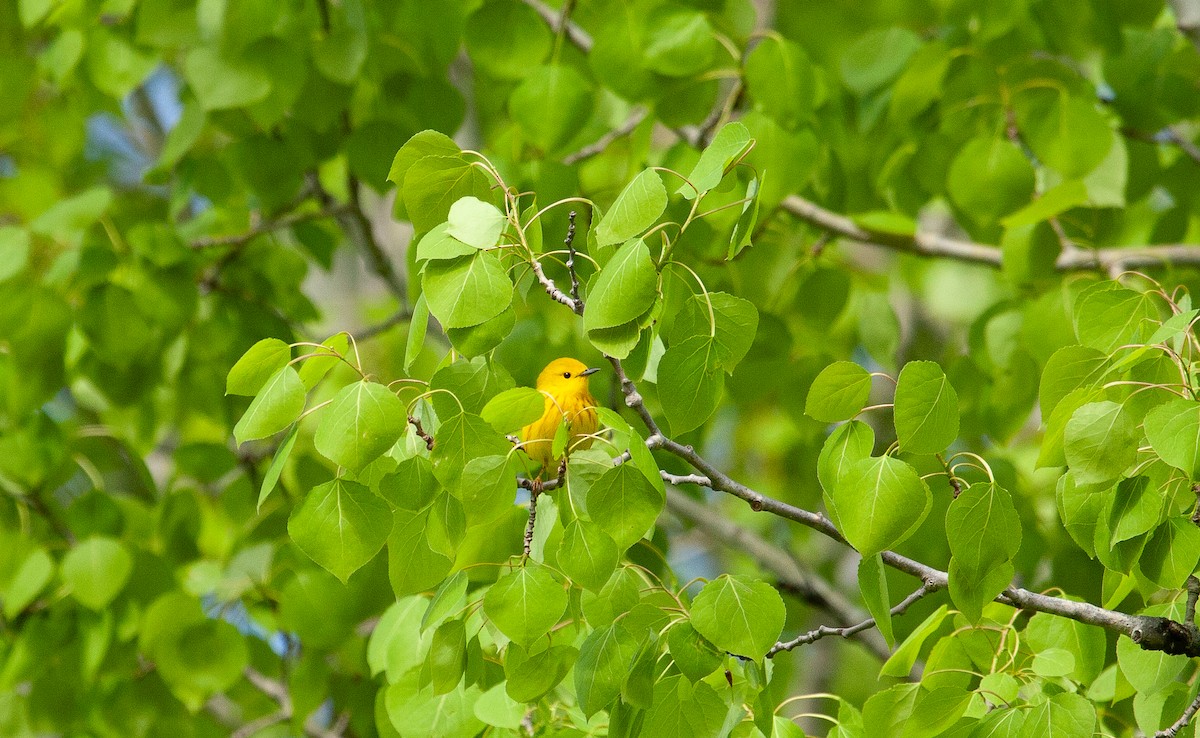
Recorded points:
(270, 226)
(1182, 722)
(552, 289)
(569, 242)
(402, 315)
(561, 24)
(825, 630)
(598, 147)
(266, 721)
(421, 432)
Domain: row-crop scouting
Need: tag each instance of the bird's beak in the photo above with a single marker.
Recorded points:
(588, 372)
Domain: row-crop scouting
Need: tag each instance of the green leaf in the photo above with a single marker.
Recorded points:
(447, 657)
(341, 525)
(989, 179)
(412, 486)
(14, 251)
(695, 657)
(514, 409)
(914, 711)
(488, 487)
(364, 421)
(781, 81)
(587, 555)
(1085, 642)
(478, 340)
(872, 582)
(412, 706)
(420, 145)
(1136, 507)
(468, 290)
(1108, 315)
(446, 600)
(1068, 369)
(417, 327)
(550, 105)
(314, 368)
(605, 658)
(205, 657)
(96, 571)
(901, 662)
(1079, 508)
(624, 290)
(624, 504)
(849, 444)
(727, 146)
(116, 66)
(618, 341)
(982, 527)
(276, 406)
(438, 244)
(28, 581)
(1065, 715)
(736, 324)
(680, 42)
(256, 366)
(507, 39)
(220, 81)
(1060, 199)
(1151, 671)
(496, 708)
(636, 209)
(432, 184)
(1172, 553)
(838, 393)
(877, 58)
(690, 382)
(271, 477)
(926, 412)
(743, 229)
(462, 437)
(738, 614)
(681, 708)
(1173, 430)
(413, 565)
(475, 223)
(531, 677)
(525, 603)
(878, 503)
(340, 55)
(1067, 133)
(971, 590)
(1100, 442)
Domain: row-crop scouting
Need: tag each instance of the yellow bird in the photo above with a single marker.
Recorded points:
(564, 382)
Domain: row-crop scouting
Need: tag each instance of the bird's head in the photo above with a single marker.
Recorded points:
(565, 375)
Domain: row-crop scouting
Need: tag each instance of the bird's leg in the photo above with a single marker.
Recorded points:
(535, 489)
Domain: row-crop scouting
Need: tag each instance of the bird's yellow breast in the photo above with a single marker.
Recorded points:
(580, 411)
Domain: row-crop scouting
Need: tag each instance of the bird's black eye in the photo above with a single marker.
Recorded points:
(566, 375)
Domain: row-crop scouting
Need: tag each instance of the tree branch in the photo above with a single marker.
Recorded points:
(819, 633)
(778, 561)
(561, 24)
(602, 143)
(924, 243)
(270, 226)
(1182, 722)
